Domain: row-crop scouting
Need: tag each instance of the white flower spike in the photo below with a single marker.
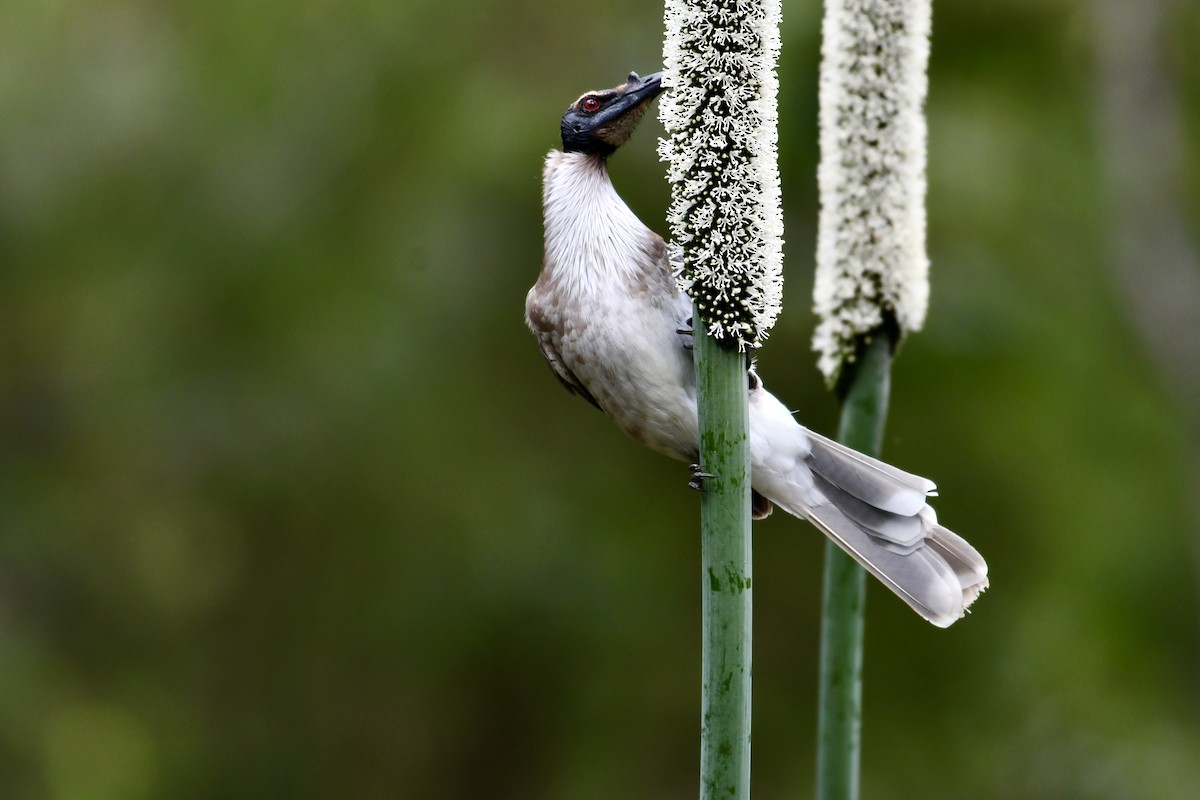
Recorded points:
(871, 261)
(719, 67)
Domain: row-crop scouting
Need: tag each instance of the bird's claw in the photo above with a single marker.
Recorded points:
(698, 478)
(687, 331)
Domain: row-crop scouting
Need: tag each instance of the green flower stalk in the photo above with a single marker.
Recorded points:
(871, 288)
(720, 114)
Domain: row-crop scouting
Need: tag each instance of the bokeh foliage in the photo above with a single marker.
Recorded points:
(290, 506)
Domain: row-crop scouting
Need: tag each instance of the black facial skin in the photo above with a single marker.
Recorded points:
(599, 122)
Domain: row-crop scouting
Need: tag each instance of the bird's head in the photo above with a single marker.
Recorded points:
(601, 121)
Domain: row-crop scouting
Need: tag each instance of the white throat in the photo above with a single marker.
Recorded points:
(592, 238)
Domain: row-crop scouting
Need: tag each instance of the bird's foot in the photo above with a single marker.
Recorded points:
(687, 331)
(698, 478)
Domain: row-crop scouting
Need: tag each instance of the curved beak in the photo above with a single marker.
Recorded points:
(637, 90)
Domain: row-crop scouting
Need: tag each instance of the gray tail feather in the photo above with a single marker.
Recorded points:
(869, 479)
(968, 565)
(937, 587)
(878, 515)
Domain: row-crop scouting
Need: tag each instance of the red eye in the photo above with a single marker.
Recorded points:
(590, 104)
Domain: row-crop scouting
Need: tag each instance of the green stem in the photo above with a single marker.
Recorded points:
(864, 412)
(726, 555)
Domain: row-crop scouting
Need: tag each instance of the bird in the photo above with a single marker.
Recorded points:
(616, 329)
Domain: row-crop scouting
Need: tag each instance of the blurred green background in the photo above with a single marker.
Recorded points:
(291, 507)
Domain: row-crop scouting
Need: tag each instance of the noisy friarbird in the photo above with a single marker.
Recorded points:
(615, 328)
